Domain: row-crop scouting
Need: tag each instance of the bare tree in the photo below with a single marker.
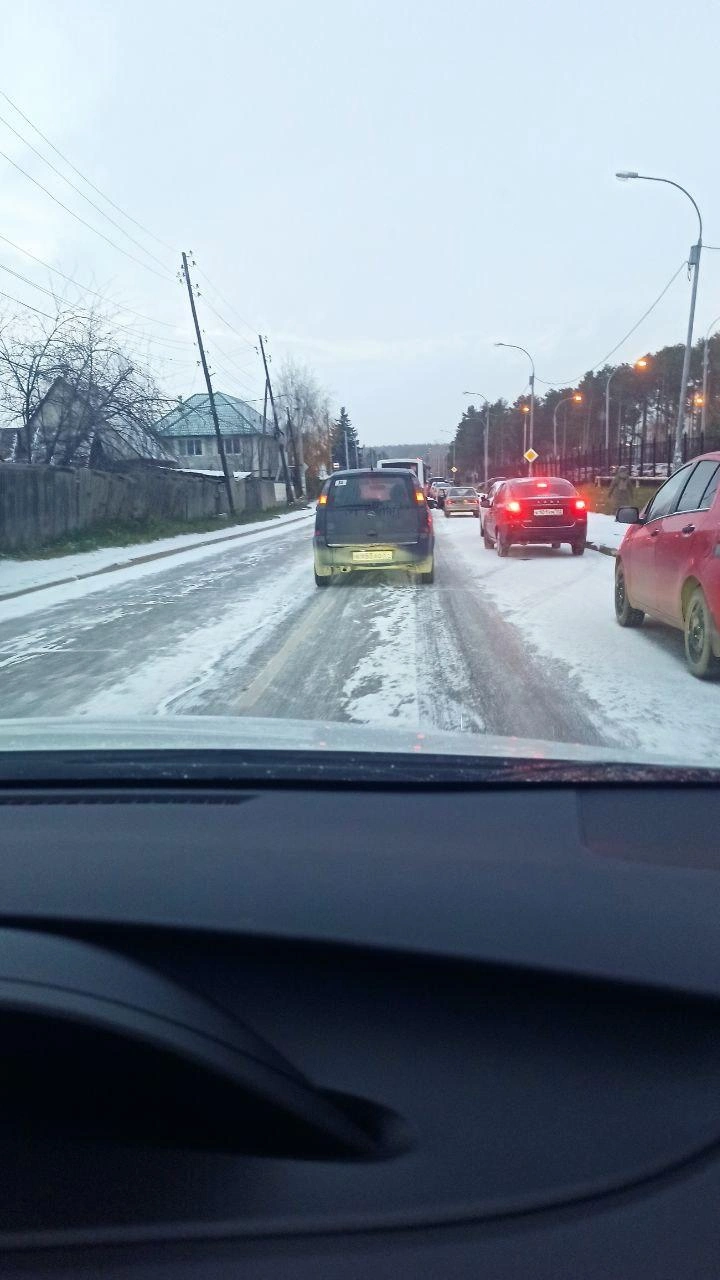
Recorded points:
(77, 392)
(309, 408)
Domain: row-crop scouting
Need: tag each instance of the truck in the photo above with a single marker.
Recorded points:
(416, 465)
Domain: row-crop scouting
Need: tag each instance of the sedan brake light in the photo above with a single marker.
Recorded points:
(580, 504)
(514, 507)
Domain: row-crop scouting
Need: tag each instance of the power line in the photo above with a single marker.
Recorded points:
(569, 382)
(89, 225)
(85, 288)
(229, 304)
(81, 194)
(243, 368)
(231, 327)
(174, 344)
(27, 306)
(75, 169)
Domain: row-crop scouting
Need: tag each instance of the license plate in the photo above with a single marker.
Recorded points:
(372, 557)
(548, 511)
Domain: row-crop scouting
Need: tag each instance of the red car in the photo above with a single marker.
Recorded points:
(546, 509)
(669, 561)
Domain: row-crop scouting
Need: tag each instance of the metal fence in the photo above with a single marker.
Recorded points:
(646, 458)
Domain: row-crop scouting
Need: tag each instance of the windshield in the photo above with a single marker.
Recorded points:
(360, 375)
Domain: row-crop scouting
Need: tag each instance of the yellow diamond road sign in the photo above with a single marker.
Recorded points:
(531, 455)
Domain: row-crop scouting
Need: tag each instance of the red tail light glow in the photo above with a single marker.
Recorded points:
(580, 504)
(514, 507)
(542, 484)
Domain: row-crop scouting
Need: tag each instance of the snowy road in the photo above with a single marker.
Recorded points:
(526, 646)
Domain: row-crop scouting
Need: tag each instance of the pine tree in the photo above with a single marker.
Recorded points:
(343, 430)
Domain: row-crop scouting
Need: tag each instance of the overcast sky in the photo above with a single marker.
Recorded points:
(384, 188)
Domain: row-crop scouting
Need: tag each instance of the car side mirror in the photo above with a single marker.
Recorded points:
(627, 515)
(484, 500)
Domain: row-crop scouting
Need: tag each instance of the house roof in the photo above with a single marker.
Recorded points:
(193, 417)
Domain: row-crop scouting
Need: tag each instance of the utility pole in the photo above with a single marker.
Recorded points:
(208, 383)
(347, 455)
(297, 486)
(278, 432)
(261, 459)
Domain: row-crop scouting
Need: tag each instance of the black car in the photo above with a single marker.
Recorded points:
(370, 519)
(529, 510)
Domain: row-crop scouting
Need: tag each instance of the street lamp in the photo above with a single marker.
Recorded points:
(487, 429)
(575, 398)
(694, 262)
(639, 364)
(703, 415)
(515, 347)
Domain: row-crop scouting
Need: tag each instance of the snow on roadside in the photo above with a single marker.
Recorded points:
(77, 589)
(563, 608)
(604, 530)
(18, 575)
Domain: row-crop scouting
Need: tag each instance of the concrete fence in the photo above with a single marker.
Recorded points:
(40, 504)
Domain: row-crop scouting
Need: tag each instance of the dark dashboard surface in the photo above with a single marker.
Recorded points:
(288, 1031)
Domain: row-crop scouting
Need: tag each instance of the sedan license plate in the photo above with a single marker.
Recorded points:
(372, 557)
(548, 511)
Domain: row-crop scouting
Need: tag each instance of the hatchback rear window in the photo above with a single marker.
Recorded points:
(368, 490)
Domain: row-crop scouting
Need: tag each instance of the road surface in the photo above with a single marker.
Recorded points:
(525, 646)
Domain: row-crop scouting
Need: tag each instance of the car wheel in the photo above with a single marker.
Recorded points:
(446, 514)
(502, 544)
(476, 515)
(555, 546)
(487, 541)
(323, 582)
(578, 548)
(701, 660)
(624, 612)
(428, 578)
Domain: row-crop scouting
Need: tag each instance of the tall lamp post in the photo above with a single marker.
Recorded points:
(639, 364)
(486, 432)
(575, 398)
(515, 347)
(694, 261)
(703, 414)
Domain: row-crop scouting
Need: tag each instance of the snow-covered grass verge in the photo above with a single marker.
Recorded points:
(30, 575)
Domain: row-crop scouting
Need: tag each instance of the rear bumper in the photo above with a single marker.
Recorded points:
(575, 532)
(413, 559)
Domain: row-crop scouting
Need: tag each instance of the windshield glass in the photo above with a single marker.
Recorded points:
(360, 369)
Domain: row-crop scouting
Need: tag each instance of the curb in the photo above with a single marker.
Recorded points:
(605, 551)
(145, 559)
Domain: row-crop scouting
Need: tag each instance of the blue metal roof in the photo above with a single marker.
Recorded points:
(193, 417)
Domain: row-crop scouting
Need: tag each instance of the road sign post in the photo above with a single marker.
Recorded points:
(530, 456)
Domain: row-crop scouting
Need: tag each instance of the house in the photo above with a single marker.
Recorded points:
(73, 428)
(189, 433)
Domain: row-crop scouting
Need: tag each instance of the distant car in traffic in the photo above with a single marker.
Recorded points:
(439, 490)
(486, 499)
(369, 519)
(668, 564)
(461, 500)
(529, 510)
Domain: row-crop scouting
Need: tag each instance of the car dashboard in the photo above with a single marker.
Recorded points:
(323, 1028)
